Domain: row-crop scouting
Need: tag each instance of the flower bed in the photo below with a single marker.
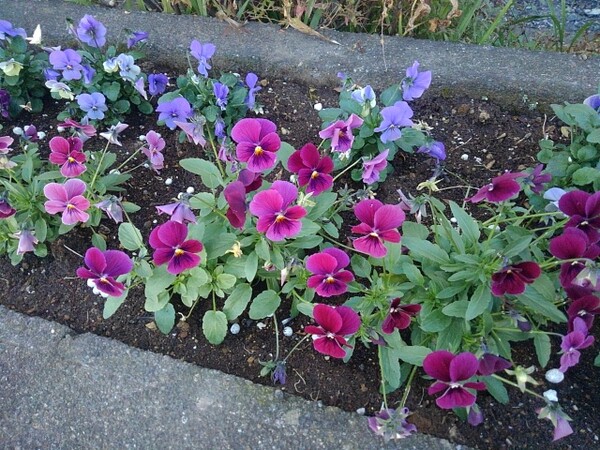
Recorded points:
(459, 288)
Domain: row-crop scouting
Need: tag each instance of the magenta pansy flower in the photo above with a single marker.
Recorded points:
(489, 364)
(83, 131)
(500, 189)
(67, 199)
(5, 143)
(67, 153)
(340, 133)
(6, 210)
(313, 171)
(373, 166)
(329, 277)
(452, 374)
(153, 151)
(379, 224)
(576, 340)
(179, 211)
(276, 217)
(335, 324)
(103, 267)
(251, 181)
(235, 195)
(170, 247)
(585, 308)
(583, 210)
(536, 179)
(399, 316)
(257, 143)
(512, 279)
(572, 244)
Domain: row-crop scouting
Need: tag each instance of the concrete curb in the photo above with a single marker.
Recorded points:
(502, 75)
(62, 390)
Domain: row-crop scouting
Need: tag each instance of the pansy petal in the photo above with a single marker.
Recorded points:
(365, 210)
(327, 317)
(287, 190)
(95, 260)
(350, 320)
(463, 366)
(456, 398)
(437, 365)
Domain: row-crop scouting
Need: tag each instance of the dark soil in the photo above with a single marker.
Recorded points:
(492, 140)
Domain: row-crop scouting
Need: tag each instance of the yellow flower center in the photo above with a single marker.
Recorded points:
(314, 175)
(179, 252)
(373, 234)
(71, 159)
(69, 206)
(330, 280)
(280, 218)
(258, 150)
(103, 280)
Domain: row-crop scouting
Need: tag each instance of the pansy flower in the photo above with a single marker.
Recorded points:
(135, 37)
(394, 118)
(452, 373)
(91, 31)
(593, 101)
(500, 189)
(177, 110)
(415, 82)
(329, 277)
(435, 149)
(313, 171)
(103, 268)
(179, 211)
(253, 88)
(5, 143)
(576, 340)
(372, 167)
(257, 143)
(171, 247)
(93, 105)
(334, 325)
(83, 131)
(67, 199)
(112, 207)
(572, 245)
(153, 151)
(585, 308)
(68, 61)
(27, 241)
(202, 52)
(536, 179)
(379, 224)
(489, 364)
(67, 153)
(276, 217)
(6, 210)
(340, 133)
(583, 210)
(399, 316)
(512, 279)
(157, 83)
(235, 195)
(193, 130)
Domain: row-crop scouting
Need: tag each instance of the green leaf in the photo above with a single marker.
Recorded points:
(237, 301)
(467, 224)
(155, 286)
(209, 173)
(41, 229)
(538, 297)
(594, 136)
(435, 322)
(309, 228)
(214, 326)
(111, 91)
(98, 241)
(122, 106)
(112, 304)
(541, 341)
(479, 302)
(413, 354)
(284, 153)
(412, 273)
(251, 266)
(425, 250)
(585, 175)
(130, 237)
(226, 281)
(145, 107)
(264, 305)
(414, 230)
(390, 367)
(391, 95)
(165, 318)
(323, 203)
(360, 266)
(456, 309)
(497, 389)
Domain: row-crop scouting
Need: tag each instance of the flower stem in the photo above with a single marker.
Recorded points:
(97, 171)
(407, 389)
(382, 377)
(276, 337)
(295, 347)
(346, 169)
(330, 239)
(513, 384)
(124, 163)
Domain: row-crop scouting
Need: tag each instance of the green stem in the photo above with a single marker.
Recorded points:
(385, 404)
(408, 384)
(216, 153)
(549, 333)
(134, 168)
(124, 163)
(276, 337)
(346, 169)
(97, 171)
(330, 239)
(215, 210)
(513, 384)
(295, 347)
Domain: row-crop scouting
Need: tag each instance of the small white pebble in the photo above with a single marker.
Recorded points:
(453, 219)
(360, 411)
(551, 395)
(235, 328)
(169, 181)
(318, 106)
(286, 321)
(287, 331)
(41, 135)
(478, 160)
(142, 137)
(155, 221)
(464, 157)
(60, 129)
(190, 190)
(18, 131)
(555, 376)
(260, 325)
(52, 331)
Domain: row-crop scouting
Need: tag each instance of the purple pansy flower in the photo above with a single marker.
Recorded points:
(67, 199)
(365, 96)
(51, 74)
(399, 316)
(489, 364)
(435, 149)
(252, 181)
(536, 179)
(140, 86)
(157, 83)
(340, 133)
(193, 130)
(220, 129)
(202, 52)
(251, 80)
(393, 119)
(127, 67)
(276, 217)
(4, 103)
(313, 171)
(500, 189)
(27, 241)
(68, 61)
(415, 82)
(585, 308)
(560, 420)
(335, 324)
(392, 424)
(221, 92)
(379, 224)
(583, 210)
(88, 74)
(103, 268)
(452, 374)
(5, 143)
(179, 211)
(235, 195)
(135, 37)
(156, 144)
(328, 277)
(170, 246)
(576, 340)
(593, 101)
(373, 167)
(178, 109)
(573, 244)
(83, 131)
(92, 32)
(112, 207)
(513, 278)
(7, 30)
(5, 209)
(93, 105)
(257, 143)
(67, 153)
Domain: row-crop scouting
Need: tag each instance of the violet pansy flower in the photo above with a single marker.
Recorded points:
(202, 52)
(501, 188)
(68, 62)
(593, 101)
(257, 143)
(103, 268)
(93, 105)
(392, 424)
(379, 224)
(171, 247)
(140, 86)
(68, 154)
(335, 324)
(127, 67)
(415, 82)
(489, 364)
(573, 244)
(513, 278)
(193, 130)
(88, 74)
(373, 167)
(112, 134)
(312, 170)
(276, 217)
(153, 151)
(67, 199)
(435, 149)
(328, 275)
(452, 373)
(178, 109)
(83, 131)
(112, 207)
(27, 241)
(399, 316)
(340, 133)
(576, 340)
(91, 31)
(393, 119)
(536, 179)
(8, 30)
(251, 82)
(157, 83)
(135, 37)
(179, 211)
(221, 92)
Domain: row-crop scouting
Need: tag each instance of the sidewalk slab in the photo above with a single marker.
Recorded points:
(512, 77)
(67, 391)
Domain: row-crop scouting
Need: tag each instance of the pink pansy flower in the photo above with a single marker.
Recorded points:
(379, 224)
(512, 279)
(103, 267)
(335, 324)
(194, 131)
(313, 171)
(399, 316)
(275, 215)
(67, 199)
(67, 153)
(179, 211)
(156, 144)
(235, 195)
(5, 143)
(452, 374)
(576, 340)
(340, 133)
(500, 189)
(170, 246)
(83, 131)
(583, 210)
(257, 143)
(372, 167)
(328, 277)
(251, 181)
